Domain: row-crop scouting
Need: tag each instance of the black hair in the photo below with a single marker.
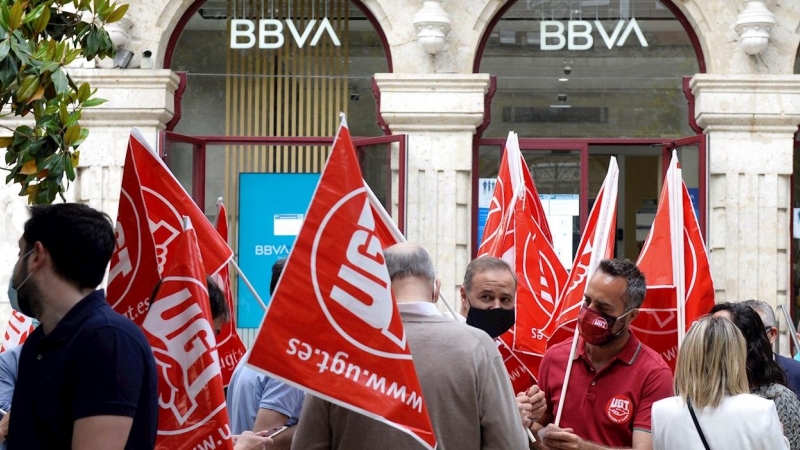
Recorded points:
(277, 268)
(216, 299)
(80, 240)
(762, 370)
(636, 285)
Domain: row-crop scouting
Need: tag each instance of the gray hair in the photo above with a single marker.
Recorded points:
(763, 310)
(486, 264)
(636, 286)
(409, 261)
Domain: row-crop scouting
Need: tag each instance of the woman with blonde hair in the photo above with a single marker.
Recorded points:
(713, 408)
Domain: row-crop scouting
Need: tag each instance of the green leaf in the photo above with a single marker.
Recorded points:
(62, 113)
(5, 46)
(59, 78)
(15, 16)
(28, 87)
(93, 102)
(42, 21)
(71, 135)
(84, 133)
(35, 14)
(118, 14)
(84, 92)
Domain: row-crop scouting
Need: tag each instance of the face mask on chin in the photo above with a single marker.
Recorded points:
(493, 321)
(20, 303)
(597, 328)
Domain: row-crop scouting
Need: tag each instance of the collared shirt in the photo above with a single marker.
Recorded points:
(606, 406)
(94, 362)
(251, 390)
(421, 308)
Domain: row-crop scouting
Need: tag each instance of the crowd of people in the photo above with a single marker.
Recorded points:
(86, 377)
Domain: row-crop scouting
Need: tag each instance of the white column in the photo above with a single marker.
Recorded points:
(750, 121)
(136, 98)
(439, 113)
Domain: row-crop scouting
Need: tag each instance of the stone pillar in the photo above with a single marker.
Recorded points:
(136, 98)
(439, 113)
(750, 121)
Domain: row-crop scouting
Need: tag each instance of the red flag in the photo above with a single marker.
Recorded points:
(385, 228)
(541, 278)
(349, 345)
(166, 203)
(513, 232)
(19, 328)
(192, 411)
(521, 377)
(675, 264)
(512, 176)
(134, 271)
(597, 243)
(230, 347)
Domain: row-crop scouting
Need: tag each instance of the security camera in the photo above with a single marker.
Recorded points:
(562, 97)
(567, 70)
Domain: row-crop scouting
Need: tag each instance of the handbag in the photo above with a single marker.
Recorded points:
(697, 425)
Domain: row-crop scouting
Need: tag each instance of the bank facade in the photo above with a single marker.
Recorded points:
(227, 89)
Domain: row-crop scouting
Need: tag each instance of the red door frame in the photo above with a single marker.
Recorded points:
(701, 140)
(199, 144)
(582, 145)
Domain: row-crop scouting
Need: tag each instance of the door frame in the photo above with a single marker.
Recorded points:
(199, 146)
(583, 145)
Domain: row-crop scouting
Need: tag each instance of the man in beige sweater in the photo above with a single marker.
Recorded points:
(464, 382)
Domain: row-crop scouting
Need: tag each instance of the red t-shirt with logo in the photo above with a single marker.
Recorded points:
(606, 406)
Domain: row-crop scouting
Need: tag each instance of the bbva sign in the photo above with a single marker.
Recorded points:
(270, 33)
(578, 34)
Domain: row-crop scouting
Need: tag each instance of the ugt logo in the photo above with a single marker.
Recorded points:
(183, 345)
(352, 284)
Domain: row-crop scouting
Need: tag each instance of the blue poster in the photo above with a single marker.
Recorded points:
(271, 211)
(694, 194)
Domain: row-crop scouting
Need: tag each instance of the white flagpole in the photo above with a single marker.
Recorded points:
(675, 183)
(247, 283)
(604, 221)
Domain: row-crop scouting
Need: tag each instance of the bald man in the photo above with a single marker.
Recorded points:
(464, 382)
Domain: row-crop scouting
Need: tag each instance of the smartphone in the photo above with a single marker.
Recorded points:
(276, 431)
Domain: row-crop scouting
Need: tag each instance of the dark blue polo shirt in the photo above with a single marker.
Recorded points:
(95, 362)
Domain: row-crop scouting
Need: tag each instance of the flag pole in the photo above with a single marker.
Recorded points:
(572, 351)
(247, 283)
(676, 237)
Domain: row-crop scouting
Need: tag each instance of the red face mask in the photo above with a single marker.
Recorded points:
(596, 328)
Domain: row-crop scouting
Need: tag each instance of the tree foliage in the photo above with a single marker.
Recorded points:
(38, 38)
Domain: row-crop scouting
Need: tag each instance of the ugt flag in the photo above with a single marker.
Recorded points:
(134, 270)
(230, 346)
(519, 239)
(167, 202)
(348, 345)
(674, 262)
(19, 328)
(192, 412)
(597, 244)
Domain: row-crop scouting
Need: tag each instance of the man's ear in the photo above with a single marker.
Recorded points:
(437, 285)
(39, 256)
(634, 314)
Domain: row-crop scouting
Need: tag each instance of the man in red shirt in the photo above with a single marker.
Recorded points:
(615, 378)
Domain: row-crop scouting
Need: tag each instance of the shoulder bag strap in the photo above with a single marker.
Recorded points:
(697, 425)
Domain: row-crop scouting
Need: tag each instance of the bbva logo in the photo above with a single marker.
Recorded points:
(578, 34)
(270, 33)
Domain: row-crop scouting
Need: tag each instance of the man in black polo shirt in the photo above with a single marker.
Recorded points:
(87, 377)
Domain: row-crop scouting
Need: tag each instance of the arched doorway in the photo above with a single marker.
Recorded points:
(581, 81)
(265, 81)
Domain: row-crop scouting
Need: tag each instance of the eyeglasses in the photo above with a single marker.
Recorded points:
(768, 329)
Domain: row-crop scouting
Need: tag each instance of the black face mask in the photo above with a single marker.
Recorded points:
(493, 321)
